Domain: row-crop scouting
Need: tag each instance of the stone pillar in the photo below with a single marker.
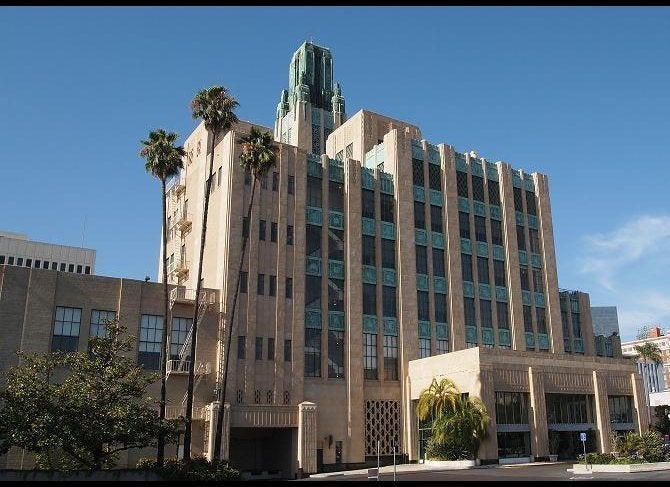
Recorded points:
(225, 437)
(602, 411)
(213, 409)
(488, 449)
(641, 413)
(539, 438)
(307, 437)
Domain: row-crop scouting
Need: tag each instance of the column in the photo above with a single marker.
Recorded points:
(307, 437)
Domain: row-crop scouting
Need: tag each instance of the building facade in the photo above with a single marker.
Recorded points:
(16, 249)
(657, 376)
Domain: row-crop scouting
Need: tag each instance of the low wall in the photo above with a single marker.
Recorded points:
(104, 475)
(625, 468)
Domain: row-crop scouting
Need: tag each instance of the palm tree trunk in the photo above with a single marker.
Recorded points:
(227, 351)
(160, 456)
(194, 333)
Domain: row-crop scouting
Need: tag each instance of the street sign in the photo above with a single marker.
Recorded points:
(582, 436)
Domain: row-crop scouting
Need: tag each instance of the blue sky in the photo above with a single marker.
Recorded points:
(578, 93)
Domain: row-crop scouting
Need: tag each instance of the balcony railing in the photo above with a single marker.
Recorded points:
(180, 293)
(178, 366)
(178, 266)
(183, 221)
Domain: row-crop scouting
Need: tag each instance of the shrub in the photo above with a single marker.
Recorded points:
(199, 469)
(447, 450)
(600, 458)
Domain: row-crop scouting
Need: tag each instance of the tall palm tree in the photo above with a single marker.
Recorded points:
(164, 160)
(439, 398)
(215, 107)
(465, 425)
(259, 155)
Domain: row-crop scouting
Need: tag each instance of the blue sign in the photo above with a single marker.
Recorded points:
(582, 436)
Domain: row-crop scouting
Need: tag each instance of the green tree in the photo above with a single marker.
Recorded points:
(164, 160)
(79, 410)
(439, 398)
(215, 107)
(259, 155)
(649, 352)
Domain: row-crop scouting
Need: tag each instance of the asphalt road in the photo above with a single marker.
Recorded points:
(526, 472)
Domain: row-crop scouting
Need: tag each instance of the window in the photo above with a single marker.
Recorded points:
(2, 259)
(369, 356)
(260, 284)
(485, 313)
(289, 287)
(569, 408)
(273, 286)
(503, 321)
(436, 218)
(45, 264)
(287, 350)
(261, 230)
(388, 253)
(469, 311)
(494, 192)
(87, 269)
(422, 305)
(335, 196)
(499, 272)
(368, 203)
(390, 357)
(289, 235)
(424, 347)
(534, 240)
(245, 227)
(38, 262)
(313, 292)
(180, 329)
(462, 184)
(312, 352)
(259, 348)
(218, 176)
(388, 301)
(421, 259)
(247, 177)
(442, 346)
(576, 326)
(335, 354)
(335, 244)
(243, 281)
(482, 270)
(541, 320)
(291, 184)
(512, 407)
(480, 228)
(369, 299)
(621, 409)
(386, 204)
(313, 240)
(438, 262)
(241, 346)
(275, 181)
(335, 294)
(79, 269)
(435, 177)
(66, 329)
(440, 307)
(10, 260)
(273, 231)
(151, 342)
(54, 265)
(313, 191)
(466, 265)
(538, 285)
(528, 318)
(496, 232)
(349, 150)
(339, 156)
(518, 201)
(368, 250)
(530, 203)
(520, 237)
(417, 172)
(29, 263)
(419, 215)
(464, 224)
(19, 262)
(523, 274)
(477, 188)
(62, 266)
(98, 320)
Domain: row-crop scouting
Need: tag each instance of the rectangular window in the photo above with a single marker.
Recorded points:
(335, 294)
(2, 259)
(313, 292)
(520, 237)
(528, 318)
(313, 191)
(541, 320)
(464, 224)
(245, 227)
(388, 301)
(271, 348)
(386, 207)
(87, 269)
(349, 151)
(54, 265)
(273, 286)
(417, 172)
(66, 329)
(435, 177)
(150, 342)
(218, 176)
(287, 350)
(38, 262)
(260, 284)
(538, 283)
(369, 356)
(441, 346)
(335, 244)
(368, 250)
(576, 326)
(518, 200)
(440, 307)
(511, 408)
(530, 203)
(70, 268)
(275, 181)
(261, 230)
(388, 253)
(534, 240)
(499, 272)
(469, 311)
(424, 347)
(243, 281)
(482, 270)
(462, 184)
(485, 313)
(466, 265)
(335, 354)
(368, 203)
(480, 229)
(98, 320)
(369, 299)
(478, 188)
(436, 219)
(178, 334)
(422, 305)
(29, 263)
(494, 192)
(289, 235)
(241, 346)
(421, 259)
(496, 232)
(312, 352)
(503, 321)
(313, 240)
(419, 215)
(62, 266)
(259, 348)
(438, 262)
(10, 260)
(289, 287)
(523, 274)
(291, 184)
(273, 231)
(19, 262)
(390, 357)
(336, 196)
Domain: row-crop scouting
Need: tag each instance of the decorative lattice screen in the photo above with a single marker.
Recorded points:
(382, 423)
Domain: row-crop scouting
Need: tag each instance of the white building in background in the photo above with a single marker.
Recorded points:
(16, 249)
(656, 376)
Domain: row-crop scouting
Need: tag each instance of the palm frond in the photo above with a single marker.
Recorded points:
(164, 159)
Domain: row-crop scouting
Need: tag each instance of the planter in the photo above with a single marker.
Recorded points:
(454, 463)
